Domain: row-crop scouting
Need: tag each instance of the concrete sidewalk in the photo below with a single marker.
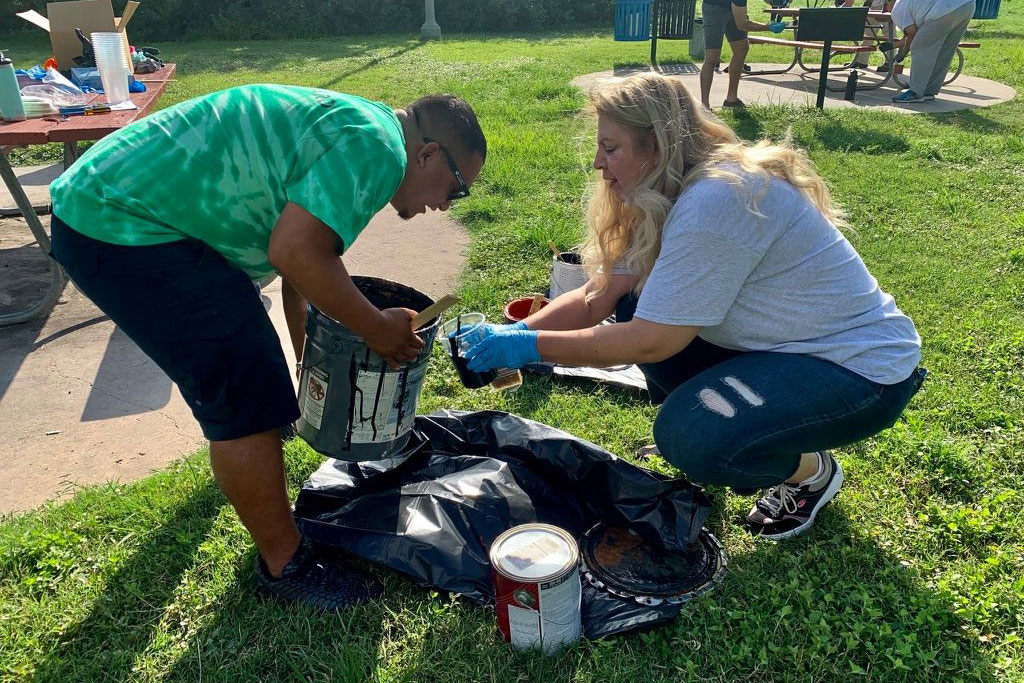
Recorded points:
(799, 89)
(80, 404)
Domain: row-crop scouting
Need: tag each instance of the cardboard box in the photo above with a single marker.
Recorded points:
(62, 18)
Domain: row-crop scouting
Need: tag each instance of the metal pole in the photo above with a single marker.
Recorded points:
(654, 33)
(430, 29)
(823, 74)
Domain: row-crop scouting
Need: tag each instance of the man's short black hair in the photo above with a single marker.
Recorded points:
(451, 121)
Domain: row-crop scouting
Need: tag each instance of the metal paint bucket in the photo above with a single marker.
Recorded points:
(354, 407)
(567, 273)
(537, 587)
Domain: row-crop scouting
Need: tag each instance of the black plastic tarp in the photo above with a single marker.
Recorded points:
(433, 512)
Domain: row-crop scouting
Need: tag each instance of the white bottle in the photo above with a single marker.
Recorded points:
(11, 106)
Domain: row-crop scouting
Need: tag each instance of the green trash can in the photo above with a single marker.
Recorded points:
(697, 40)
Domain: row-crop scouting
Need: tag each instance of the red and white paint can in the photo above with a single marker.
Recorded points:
(536, 569)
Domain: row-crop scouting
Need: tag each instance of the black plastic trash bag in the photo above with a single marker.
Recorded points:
(433, 512)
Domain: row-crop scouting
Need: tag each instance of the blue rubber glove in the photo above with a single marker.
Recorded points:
(505, 349)
(777, 26)
(489, 329)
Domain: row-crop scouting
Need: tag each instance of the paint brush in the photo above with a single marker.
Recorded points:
(433, 310)
(554, 248)
(538, 299)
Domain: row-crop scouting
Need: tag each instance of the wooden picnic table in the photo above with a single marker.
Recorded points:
(874, 22)
(69, 130)
(795, 11)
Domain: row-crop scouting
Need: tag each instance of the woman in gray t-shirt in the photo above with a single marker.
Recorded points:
(759, 329)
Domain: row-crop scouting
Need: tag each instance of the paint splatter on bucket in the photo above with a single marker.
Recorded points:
(354, 407)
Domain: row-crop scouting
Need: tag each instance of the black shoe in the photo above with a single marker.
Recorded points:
(883, 68)
(789, 509)
(312, 580)
(734, 104)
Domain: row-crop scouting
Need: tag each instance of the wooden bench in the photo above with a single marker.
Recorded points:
(798, 46)
(808, 45)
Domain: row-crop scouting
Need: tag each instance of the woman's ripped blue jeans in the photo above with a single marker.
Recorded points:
(742, 419)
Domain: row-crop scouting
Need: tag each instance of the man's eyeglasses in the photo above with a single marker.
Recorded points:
(463, 189)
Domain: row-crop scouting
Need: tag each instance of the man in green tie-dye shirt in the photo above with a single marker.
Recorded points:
(166, 223)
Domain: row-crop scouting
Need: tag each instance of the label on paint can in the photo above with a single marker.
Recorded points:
(537, 586)
(378, 413)
(317, 383)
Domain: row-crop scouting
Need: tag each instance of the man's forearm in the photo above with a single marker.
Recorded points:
(295, 316)
(323, 280)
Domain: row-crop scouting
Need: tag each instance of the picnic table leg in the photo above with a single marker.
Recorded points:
(57, 277)
(823, 74)
(768, 72)
(888, 74)
(70, 154)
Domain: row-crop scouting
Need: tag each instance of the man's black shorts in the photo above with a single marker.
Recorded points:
(200, 319)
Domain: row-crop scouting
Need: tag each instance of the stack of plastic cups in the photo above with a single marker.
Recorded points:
(110, 62)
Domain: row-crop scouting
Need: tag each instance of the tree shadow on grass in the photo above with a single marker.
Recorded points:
(124, 617)
(970, 120)
(848, 605)
(837, 137)
(376, 61)
(262, 56)
(747, 125)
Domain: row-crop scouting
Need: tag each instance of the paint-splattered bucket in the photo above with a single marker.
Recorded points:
(567, 273)
(354, 407)
(538, 594)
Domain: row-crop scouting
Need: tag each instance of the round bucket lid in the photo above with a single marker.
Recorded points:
(619, 561)
(534, 552)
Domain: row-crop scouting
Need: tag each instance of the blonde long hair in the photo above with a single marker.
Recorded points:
(692, 143)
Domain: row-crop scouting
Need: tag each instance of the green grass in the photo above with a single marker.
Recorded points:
(915, 573)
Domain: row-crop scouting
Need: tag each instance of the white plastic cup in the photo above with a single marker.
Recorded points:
(107, 39)
(109, 50)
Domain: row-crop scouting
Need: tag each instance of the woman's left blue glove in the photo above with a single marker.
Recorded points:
(504, 349)
(777, 26)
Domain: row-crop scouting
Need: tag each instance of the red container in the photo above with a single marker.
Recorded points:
(519, 309)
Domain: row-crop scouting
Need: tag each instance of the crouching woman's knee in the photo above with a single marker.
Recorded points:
(700, 457)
